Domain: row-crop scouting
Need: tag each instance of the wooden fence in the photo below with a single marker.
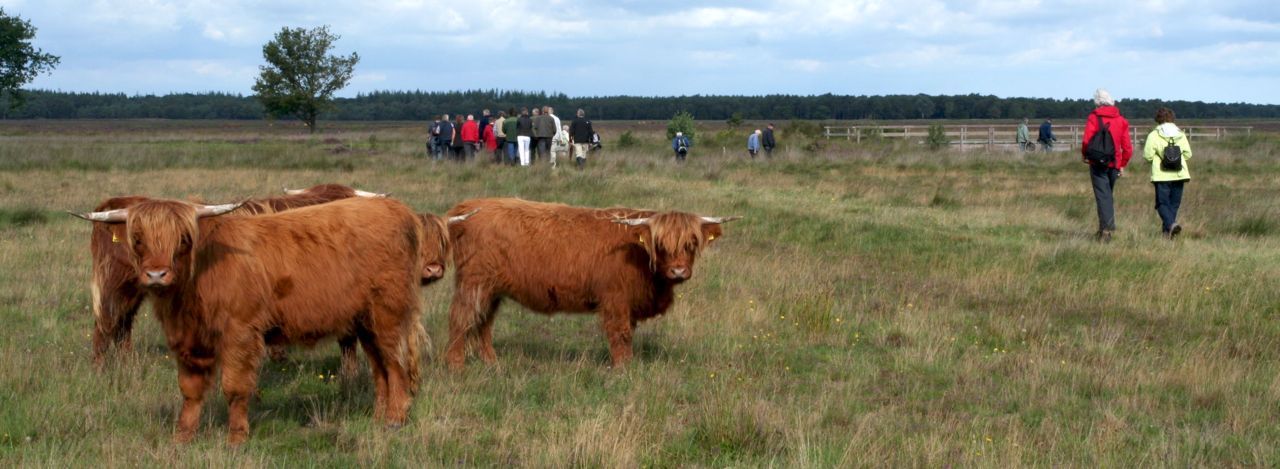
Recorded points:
(992, 136)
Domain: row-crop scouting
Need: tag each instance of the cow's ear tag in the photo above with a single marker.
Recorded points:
(115, 238)
(640, 238)
(711, 238)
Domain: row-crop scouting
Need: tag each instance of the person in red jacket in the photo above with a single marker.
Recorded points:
(491, 143)
(470, 137)
(1104, 174)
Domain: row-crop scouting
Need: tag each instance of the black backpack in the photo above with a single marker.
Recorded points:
(1101, 149)
(1171, 158)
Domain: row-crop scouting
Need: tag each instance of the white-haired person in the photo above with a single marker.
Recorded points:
(1169, 171)
(1106, 158)
(680, 144)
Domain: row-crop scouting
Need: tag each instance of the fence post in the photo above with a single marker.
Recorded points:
(857, 135)
(964, 134)
(991, 138)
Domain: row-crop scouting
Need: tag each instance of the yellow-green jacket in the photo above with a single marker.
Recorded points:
(1157, 140)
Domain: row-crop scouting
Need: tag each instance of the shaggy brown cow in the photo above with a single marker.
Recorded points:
(116, 297)
(620, 263)
(349, 267)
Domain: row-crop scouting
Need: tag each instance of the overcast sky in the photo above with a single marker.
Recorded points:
(1220, 50)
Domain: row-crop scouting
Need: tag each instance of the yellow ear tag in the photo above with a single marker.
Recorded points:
(711, 238)
(640, 238)
(114, 238)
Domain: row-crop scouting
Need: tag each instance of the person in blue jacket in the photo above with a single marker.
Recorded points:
(753, 144)
(681, 145)
(1046, 137)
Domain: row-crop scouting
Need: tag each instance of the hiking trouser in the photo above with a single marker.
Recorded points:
(1104, 184)
(1168, 201)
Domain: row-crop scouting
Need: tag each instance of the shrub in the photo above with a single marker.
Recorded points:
(735, 120)
(627, 140)
(681, 122)
(799, 128)
(937, 137)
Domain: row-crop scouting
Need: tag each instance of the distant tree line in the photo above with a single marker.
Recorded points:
(421, 105)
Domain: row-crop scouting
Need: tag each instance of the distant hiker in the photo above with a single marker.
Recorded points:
(499, 138)
(560, 144)
(470, 138)
(767, 142)
(1023, 138)
(544, 127)
(753, 143)
(484, 122)
(444, 137)
(433, 134)
(490, 142)
(580, 136)
(509, 129)
(456, 146)
(596, 143)
(681, 145)
(524, 135)
(1106, 149)
(1046, 137)
(1168, 149)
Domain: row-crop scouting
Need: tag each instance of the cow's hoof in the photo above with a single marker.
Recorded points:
(237, 438)
(182, 437)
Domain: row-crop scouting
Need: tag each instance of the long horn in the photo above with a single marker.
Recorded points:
(360, 193)
(110, 216)
(215, 210)
(289, 191)
(719, 220)
(633, 221)
(463, 217)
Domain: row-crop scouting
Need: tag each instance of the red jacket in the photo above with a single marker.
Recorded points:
(489, 141)
(471, 132)
(1119, 128)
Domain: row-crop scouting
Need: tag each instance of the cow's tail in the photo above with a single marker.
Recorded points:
(409, 354)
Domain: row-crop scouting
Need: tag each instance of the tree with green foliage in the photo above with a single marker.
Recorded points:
(937, 138)
(681, 122)
(19, 61)
(734, 120)
(300, 77)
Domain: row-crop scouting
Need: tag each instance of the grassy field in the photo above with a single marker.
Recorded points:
(879, 305)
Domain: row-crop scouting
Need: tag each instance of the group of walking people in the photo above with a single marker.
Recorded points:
(513, 138)
(1107, 150)
(756, 141)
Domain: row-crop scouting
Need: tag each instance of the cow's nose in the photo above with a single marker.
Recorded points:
(156, 276)
(433, 271)
(679, 272)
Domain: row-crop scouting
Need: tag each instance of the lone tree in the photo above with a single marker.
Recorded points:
(681, 122)
(300, 77)
(19, 61)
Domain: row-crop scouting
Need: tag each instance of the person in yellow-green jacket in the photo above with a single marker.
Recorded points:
(1168, 174)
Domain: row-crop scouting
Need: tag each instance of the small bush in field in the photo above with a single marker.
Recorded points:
(937, 138)
(627, 140)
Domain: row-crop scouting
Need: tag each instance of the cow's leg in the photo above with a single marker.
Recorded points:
(130, 302)
(242, 352)
(465, 314)
(395, 335)
(618, 327)
(193, 381)
(350, 365)
(485, 339)
(377, 370)
(114, 310)
(393, 347)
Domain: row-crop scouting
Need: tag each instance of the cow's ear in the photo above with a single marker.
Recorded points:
(641, 235)
(712, 231)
